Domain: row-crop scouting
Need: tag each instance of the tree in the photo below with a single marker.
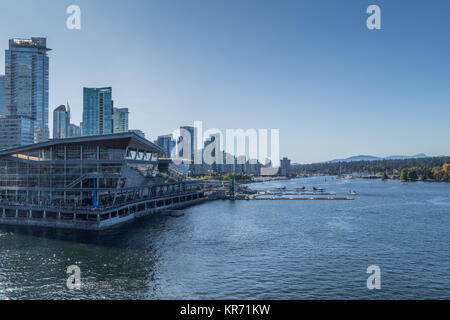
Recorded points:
(412, 175)
(446, 171)
(404, 175)
(385, 176)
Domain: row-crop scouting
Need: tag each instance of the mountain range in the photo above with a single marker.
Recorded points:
(372, 158)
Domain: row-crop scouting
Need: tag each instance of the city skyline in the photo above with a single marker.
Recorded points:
(380, 86)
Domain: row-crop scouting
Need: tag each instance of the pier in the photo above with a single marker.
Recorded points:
(95, 219)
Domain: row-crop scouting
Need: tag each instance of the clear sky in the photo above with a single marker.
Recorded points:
(309, 68)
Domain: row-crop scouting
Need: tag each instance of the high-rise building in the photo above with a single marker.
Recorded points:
(61, 122)
(120, 120)
(74, 131)
(97, 111)
(285, 167)
(16, 131)
(167, 143)
(190, 154)
(2, 96)
(27, 82)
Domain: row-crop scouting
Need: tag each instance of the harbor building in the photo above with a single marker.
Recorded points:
(120, 120)
(89, 182)
(27, 83)
(97, 111)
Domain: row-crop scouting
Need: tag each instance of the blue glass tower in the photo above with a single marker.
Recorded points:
(2, 96)
(27, 81)
(97, 111)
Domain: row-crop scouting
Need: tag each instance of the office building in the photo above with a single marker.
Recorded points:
(167, 143)
(61, 122)
(27, 83)
(285, 167)
(97, 111)
(192, 133)
(74, 131)
(2, 96)
(120, 120)
(16, 131)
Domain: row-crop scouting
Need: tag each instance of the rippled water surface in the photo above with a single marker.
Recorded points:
(250, 249)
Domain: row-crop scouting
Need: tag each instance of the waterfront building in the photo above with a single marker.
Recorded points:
(27, 83)
(167, 143)
(120, 120)
(61, 122)
(74, 131)
(16, 131)
(285, 167)
(97, 111)
(138, 132)
(2, 96)
(89, 182)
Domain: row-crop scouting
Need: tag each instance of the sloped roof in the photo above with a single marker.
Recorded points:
(118, 140)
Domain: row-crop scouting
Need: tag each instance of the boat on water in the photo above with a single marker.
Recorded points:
(353, 193)
(299, 189)
(318, 189)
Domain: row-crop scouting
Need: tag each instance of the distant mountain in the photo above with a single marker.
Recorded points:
(372, 158)
(417, 156)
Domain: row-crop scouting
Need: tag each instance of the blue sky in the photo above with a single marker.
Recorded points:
(309, 68)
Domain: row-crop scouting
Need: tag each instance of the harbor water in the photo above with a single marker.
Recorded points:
(250, 249)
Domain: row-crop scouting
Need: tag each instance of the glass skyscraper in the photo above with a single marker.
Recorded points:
(16, 131)
(120, 120)
(61, 122)
(2, 96)
(97, 111)
(27, 81)
(167, 143)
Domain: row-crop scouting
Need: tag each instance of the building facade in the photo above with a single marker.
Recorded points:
(285, 167)
(74, 131)
(120, 120)
(61, 122)
(167, 143)
(2, 96)
(97, 111)
(16, 131)
(27, 83)
(191, 134)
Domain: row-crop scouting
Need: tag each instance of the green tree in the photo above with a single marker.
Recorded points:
(404, 175)
(412, 175)
(385, 176)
